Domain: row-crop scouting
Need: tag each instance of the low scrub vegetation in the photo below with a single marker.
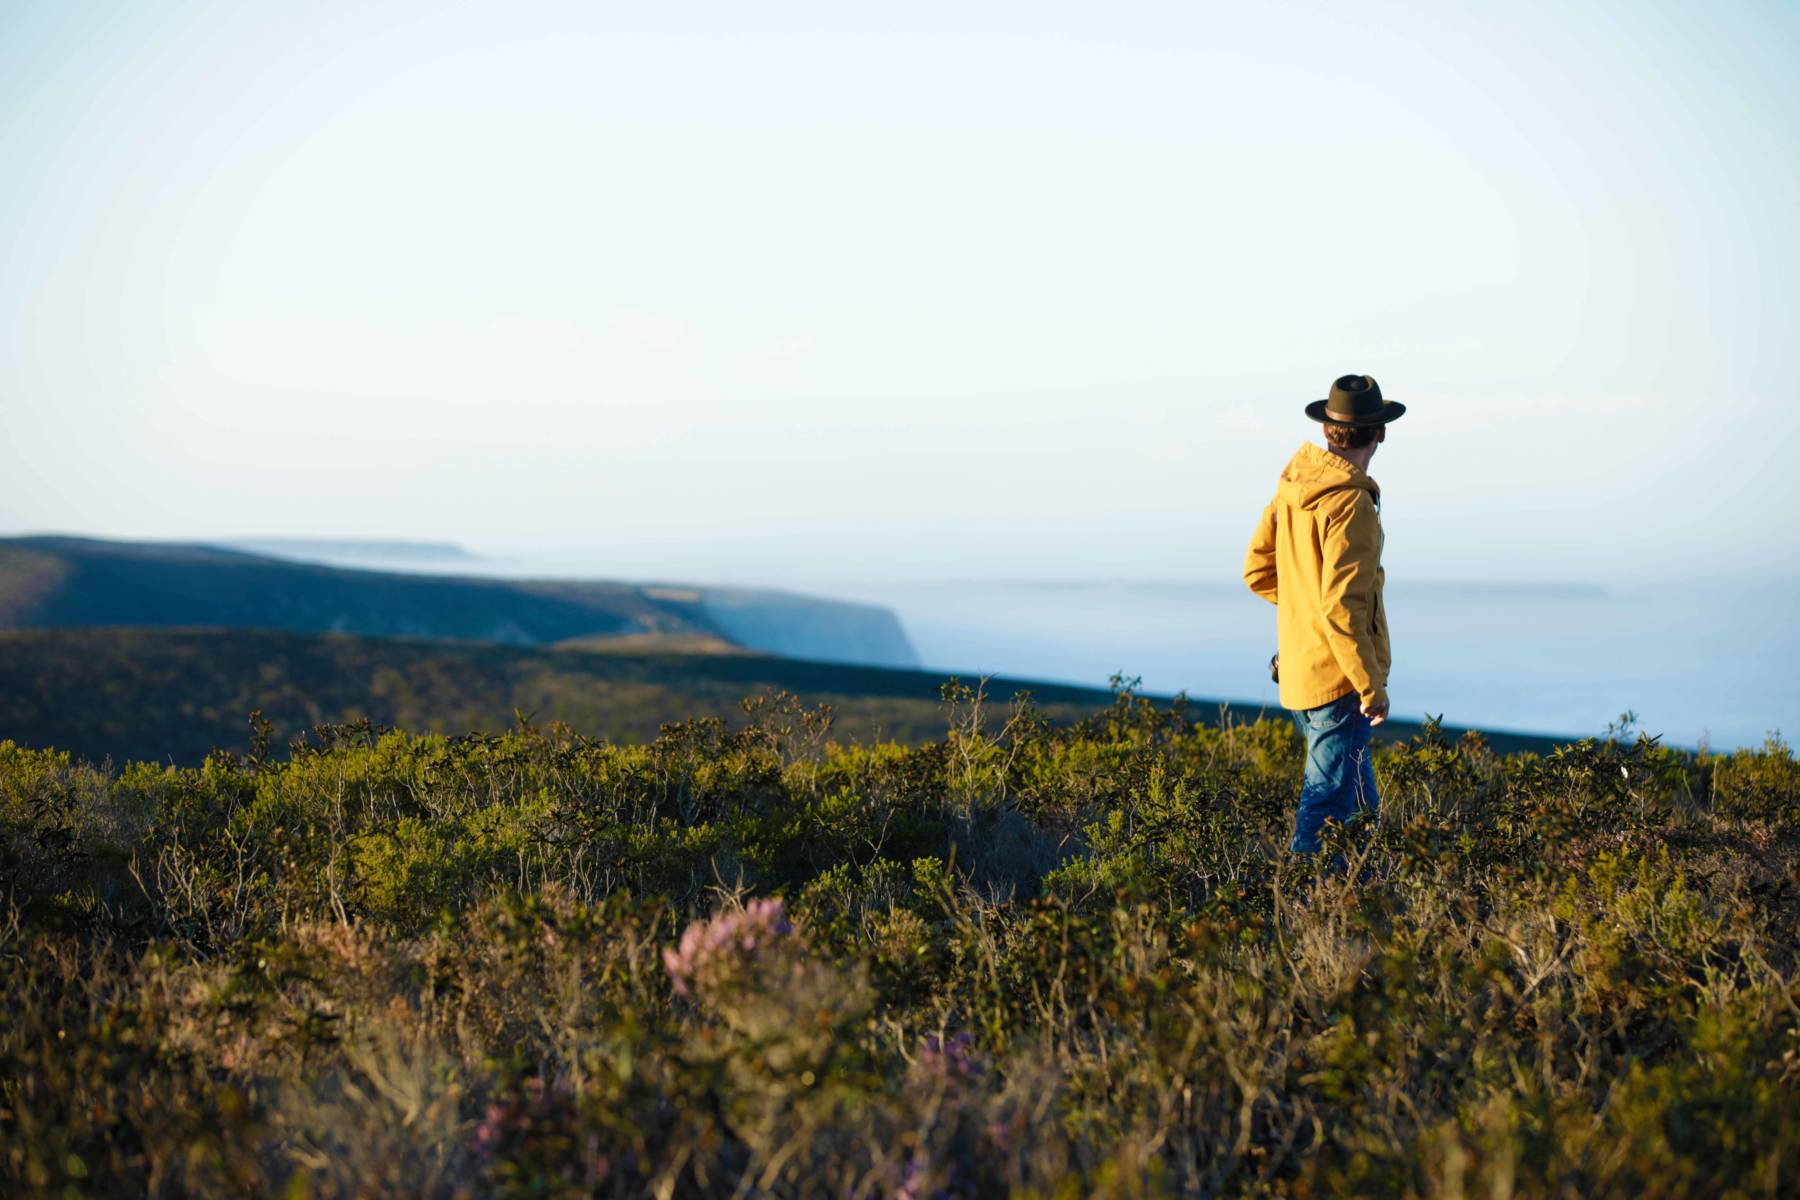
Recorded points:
(1023, 959)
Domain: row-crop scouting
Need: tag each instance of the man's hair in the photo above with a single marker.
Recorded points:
(1350, 437)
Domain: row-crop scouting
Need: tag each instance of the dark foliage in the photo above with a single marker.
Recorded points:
(172, 696)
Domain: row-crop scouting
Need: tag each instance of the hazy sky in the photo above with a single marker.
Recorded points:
(776, 291)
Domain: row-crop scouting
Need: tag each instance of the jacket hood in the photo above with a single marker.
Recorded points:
(1315, 473)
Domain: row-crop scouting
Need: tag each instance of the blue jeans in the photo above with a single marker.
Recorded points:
(1340, 772)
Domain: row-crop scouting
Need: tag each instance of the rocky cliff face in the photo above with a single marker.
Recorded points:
(804, 627)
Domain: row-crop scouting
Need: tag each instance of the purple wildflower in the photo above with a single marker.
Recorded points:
(952, 1059)
(913, 1177)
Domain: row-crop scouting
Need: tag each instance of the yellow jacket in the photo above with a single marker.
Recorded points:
(1316, 556)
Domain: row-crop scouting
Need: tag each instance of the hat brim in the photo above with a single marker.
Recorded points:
(1390, 411)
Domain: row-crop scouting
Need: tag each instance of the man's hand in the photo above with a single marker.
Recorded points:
(1377, 714)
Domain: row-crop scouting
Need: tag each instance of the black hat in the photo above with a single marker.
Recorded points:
(1355, 400)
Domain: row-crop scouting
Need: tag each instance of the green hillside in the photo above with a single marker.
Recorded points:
(172, 695)
(62, 583)
(1018, 959)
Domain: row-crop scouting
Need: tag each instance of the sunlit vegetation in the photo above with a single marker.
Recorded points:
(1020, 958)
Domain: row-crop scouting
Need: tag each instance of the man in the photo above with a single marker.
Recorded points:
(1316, 556)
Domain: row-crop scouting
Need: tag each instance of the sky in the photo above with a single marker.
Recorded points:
(758, 293)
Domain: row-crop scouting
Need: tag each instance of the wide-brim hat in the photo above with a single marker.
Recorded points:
(1355, 400)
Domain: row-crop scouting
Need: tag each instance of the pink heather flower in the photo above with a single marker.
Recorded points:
(673, 964)
(711, 952)
(487, 1133)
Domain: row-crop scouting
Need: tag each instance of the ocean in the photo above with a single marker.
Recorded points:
(1696, 665)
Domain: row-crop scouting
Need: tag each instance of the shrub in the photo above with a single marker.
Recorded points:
(1025, 959)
